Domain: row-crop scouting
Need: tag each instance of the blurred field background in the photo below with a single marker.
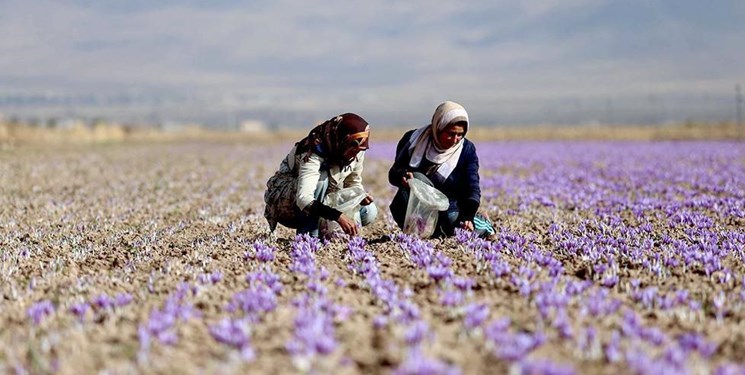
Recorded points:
(19, 134)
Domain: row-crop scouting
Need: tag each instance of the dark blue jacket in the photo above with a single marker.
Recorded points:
(461, 187)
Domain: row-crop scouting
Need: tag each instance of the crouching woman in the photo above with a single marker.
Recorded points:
(329, 159)
(441, 156)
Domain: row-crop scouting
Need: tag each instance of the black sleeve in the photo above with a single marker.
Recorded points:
(401, 162)
(468, 210)
(324, 211)
(471, 191)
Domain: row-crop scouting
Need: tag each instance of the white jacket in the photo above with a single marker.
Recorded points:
(309, 172)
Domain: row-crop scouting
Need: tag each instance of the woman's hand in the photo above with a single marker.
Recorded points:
(405, 178)
(347, 225)
(368, 199)
(467, 225)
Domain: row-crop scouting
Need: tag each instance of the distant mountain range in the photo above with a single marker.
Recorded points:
(229, 112)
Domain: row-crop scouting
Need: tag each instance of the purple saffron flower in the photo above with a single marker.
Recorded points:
(612, 348)
(653, 335)
(380, 321)
(587, 340)
(574, 288)
(80, 309)
(123, 299)
(341, 313)
(418, 364)
(523, 285)
(497, 328)
(544, 367)
(609, 281)
(267, 278)
(234, 334)
(475, 315)
(452, 298)
(514, 347)
(439, 272)
(263, 252)
(144, 337)
(500, 268)
(325, 344)
(254, 301)
(314, 330)
(168, 337)
(210, 278)
(160, 321)
(693, 341)
(675, 356)
(463, 283)
(416, 333)
(729, 369)
(561, 323)
(323, 274)
(38, 311)
(104, 302)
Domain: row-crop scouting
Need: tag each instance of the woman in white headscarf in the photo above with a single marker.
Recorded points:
(441, 156)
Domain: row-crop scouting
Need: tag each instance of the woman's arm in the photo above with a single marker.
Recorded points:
(309, 172)
(401, 163)
(471, 190)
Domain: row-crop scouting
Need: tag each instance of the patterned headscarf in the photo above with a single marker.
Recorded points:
(332, 139)
(425, 142)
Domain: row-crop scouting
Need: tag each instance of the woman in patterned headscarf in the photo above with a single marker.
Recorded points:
(441, 156)
(327, 160)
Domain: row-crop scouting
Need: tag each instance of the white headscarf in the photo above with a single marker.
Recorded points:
(425, 143)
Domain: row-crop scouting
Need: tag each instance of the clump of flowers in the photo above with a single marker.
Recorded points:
(40, 310)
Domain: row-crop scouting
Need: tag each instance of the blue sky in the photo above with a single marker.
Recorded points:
(391, 61)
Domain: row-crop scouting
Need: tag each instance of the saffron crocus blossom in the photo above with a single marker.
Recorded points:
(236, 334)
(500, 268)
(612, 349)
(475, 315)
(254, 302)
(692, 341)
(303, 255)
(103, 301)
(416, 363)
(40, 310)
(210, 278)
(396, 301)
(508, 345)
(161, 324)
(729, 369)
(451, 297)
(313, 334)
(103, 304)
(416, 333)
(515, 346)
(267, 278)
(463, 283)
(123, 299)
(80, 309)
(263, 252)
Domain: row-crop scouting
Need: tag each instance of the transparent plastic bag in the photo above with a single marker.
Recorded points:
(347, 201)
(425, 203)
